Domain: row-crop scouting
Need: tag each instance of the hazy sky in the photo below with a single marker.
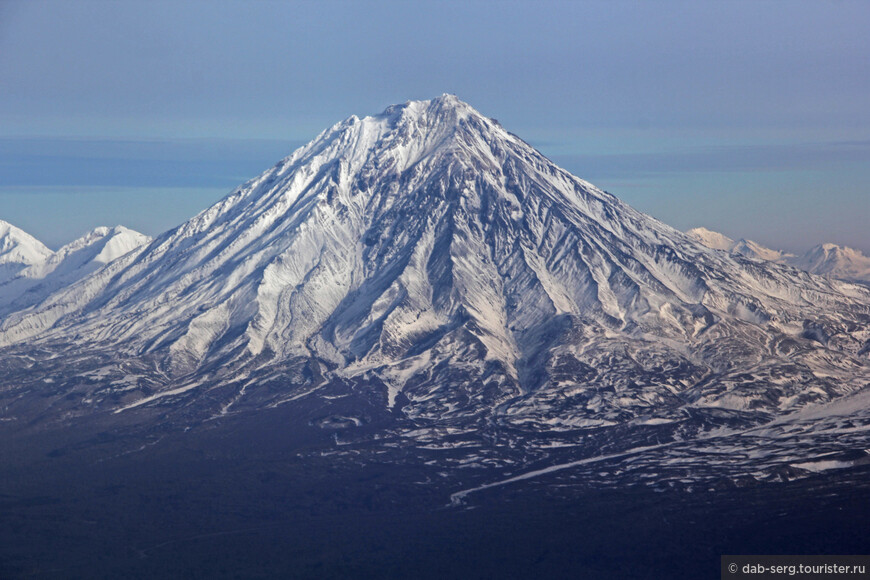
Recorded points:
(747, 117)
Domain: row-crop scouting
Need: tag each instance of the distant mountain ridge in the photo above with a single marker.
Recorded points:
(45, 272)
(824, 259)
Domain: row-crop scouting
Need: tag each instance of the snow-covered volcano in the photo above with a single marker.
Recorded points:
(18, 250)
(837, 261)
(436, 262)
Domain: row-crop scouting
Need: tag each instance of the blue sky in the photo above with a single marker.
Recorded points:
(746, 117)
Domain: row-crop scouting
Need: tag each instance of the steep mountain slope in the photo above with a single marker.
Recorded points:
(70, 263)
(18, 250)
(426, 270)
(824, 260)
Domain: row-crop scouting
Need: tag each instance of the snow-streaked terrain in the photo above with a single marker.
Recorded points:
(499, 310)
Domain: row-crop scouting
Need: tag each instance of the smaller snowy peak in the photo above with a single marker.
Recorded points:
(97, 247)
(835, 261)
(711, 239)
(744, 247)
(19, 247)
(120, 241)
(755, 250)
(19, 250)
